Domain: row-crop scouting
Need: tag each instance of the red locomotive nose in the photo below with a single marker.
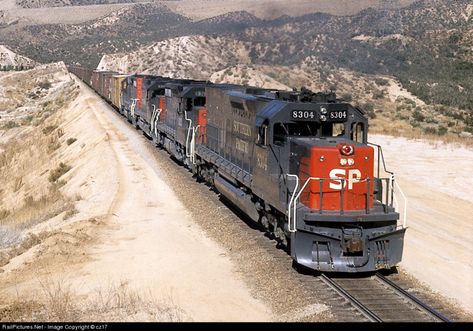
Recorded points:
(347, 150)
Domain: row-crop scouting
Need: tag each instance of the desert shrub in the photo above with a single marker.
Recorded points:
(45, 85)
(430, 130)
(55, 174)
(50, 128)
(70, 141)
(418, 116)
(378, 94)
(381, 81)
(28, 119)
(10, 125)
(442, 130)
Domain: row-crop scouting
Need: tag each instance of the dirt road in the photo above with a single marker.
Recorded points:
(155, 242)
(150, 242)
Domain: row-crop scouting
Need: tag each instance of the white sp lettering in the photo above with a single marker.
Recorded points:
(354, 176)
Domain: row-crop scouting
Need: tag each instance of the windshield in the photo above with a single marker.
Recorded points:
(300, 129)
(306, 129)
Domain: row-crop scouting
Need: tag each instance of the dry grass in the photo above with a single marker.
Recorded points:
(29, 97)
(391, 126)
(34, 211)
(55, 174)
(28, 196)
(56, 301)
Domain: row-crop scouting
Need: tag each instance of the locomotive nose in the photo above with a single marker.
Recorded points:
(340, 177)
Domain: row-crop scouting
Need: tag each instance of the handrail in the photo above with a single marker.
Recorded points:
(291, 201)
(192, 147)
(188, 132)
(155, 120)
(381, 157)
(132, 107)
(296, 194)
(404, 212)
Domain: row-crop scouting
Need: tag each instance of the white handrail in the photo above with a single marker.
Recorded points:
(295, 197)
(132, 107)
(153, 117)
(155, 120)
(188, 132)
(291, 201)
(404, 212)
(195, 130)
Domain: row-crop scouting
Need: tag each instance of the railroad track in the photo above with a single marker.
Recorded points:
(374, 297)
(379, 299)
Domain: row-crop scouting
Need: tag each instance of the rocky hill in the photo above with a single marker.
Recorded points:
(196, 57)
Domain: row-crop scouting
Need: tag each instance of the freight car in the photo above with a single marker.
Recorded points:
(299, 163)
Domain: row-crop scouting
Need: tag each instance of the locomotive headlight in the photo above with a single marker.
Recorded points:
(323, 110)
(323, 118)
(351, 162)
(347, 150)
(343, 162)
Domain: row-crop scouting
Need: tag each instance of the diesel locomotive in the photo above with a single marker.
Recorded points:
(299, 163)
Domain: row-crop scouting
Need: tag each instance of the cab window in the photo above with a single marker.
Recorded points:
(262, 135)
(333, 130)
(357, 132)
(301, 129)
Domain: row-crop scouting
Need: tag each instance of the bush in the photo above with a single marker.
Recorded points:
(378, 94)
(50, 128)
(55, 174)
(45, 85)
(430, 130)
(10, 125)
(70, 141)
(381, 81)
(418, 116)
(442, 130)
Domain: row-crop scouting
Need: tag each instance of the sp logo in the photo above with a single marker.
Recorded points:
(354, 176)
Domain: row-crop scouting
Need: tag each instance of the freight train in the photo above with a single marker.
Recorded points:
(298, 163)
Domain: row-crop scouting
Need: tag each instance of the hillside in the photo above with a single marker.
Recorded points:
(179, 57)
(429, 40)
(392, 109)
(10, 60)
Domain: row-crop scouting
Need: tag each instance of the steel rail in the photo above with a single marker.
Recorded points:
(412, 298)
(357, 304)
